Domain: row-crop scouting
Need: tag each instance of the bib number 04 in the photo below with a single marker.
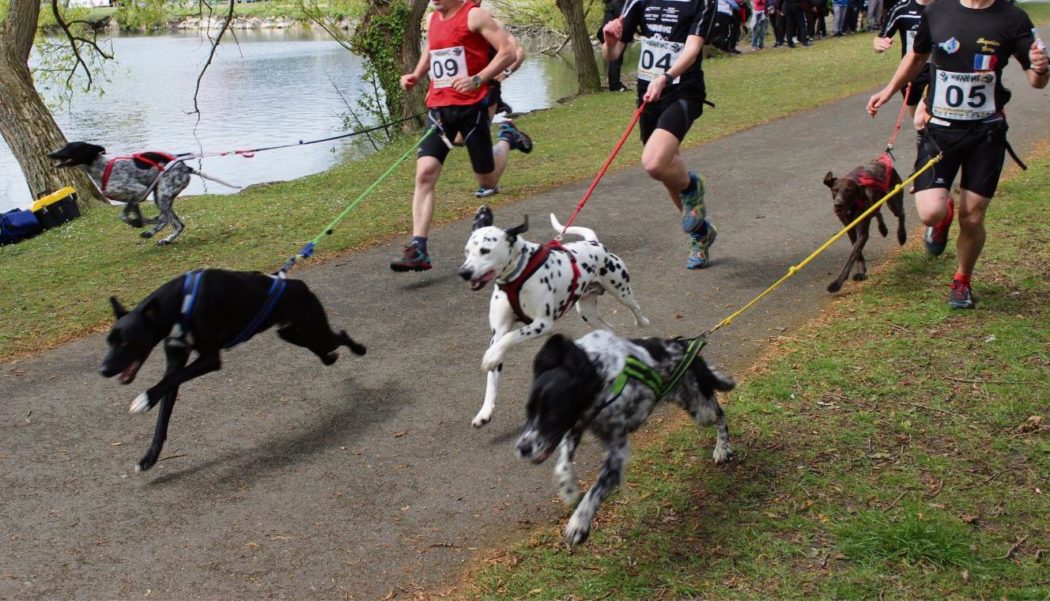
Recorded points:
(656, 58)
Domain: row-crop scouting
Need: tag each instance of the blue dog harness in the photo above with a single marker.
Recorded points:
(191, 284)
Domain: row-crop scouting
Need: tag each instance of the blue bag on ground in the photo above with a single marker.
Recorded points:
(17, 225)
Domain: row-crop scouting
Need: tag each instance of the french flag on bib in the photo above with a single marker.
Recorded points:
(984, 62)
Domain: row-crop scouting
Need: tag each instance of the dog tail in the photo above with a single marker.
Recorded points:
(721, 381)
(213, 178)
(583, 232)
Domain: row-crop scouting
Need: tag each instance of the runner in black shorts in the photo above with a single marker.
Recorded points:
(671, 84)
(904, 18)
(969, 43)
(457, 56)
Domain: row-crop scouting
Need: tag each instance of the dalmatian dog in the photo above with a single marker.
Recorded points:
(609, 385)
(535, 285)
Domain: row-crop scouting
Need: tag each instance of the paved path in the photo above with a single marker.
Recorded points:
(283, 478)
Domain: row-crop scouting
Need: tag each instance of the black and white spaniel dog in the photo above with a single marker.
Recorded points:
(609, 385)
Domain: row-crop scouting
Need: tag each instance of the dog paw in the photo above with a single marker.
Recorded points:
(860, 277)
(835, 286)
(140, 404)
(481, 419)
(163, 242)
(358, 349)
(491, 360)
(329, 358)
(723, 453)
(146, 234)
(576, 532)
(642, 322)
(570, 494)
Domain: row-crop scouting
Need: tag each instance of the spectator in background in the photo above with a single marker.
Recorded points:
(778, 23)
(816, 11)
(613, 8)
(794, 21)
(759, 21)
(853, 12)
(874, 15)
(839, 9)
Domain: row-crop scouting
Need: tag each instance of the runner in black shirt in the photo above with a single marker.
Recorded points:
(671, 83)
(904, 18)
(970, 42)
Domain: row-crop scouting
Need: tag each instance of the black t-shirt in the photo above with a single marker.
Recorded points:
(663, 27)
(903, 18)
(970, 48)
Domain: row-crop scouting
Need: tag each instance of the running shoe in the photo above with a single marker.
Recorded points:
(961, 296)
(484, 192)
(411, 260)
(936, 237)
(517, 139)
(700, 248)
(693, 211)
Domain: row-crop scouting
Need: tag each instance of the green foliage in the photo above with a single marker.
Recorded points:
(143, 14)
(378, 38)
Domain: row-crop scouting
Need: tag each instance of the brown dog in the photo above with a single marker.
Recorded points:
(857, 192)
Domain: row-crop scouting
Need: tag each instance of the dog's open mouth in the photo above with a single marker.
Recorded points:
(128, 375)
(479, 282)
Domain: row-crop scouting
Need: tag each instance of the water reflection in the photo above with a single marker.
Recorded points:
(272, 87)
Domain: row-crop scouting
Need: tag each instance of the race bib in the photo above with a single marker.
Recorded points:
(657, 57)
(446, 65)
(964, 96)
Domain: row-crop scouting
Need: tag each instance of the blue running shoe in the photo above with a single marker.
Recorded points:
(517, 139)
(693, 211)
(700, 249)
(484, 192)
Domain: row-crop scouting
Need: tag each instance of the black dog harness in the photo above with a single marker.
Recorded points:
(513, 287)
(191, 284)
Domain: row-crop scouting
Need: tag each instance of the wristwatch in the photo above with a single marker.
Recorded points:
(476, 80)
(670, 80)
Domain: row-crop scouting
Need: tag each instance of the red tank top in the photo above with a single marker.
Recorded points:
(453, 49)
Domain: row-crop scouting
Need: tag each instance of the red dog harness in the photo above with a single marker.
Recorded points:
(513, 287)
(866, 179)
(150, 160)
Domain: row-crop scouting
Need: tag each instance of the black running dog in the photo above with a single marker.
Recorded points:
(855, 193)
(609, 385)
(131, 179)
(208, 311)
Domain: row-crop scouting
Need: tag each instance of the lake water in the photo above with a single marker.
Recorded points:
(274, 87)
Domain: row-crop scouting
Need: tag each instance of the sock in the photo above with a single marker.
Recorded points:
(700, 233)
(962, 278)
(420, 242)
(691, 188)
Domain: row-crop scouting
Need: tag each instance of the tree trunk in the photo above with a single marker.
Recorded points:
(583, 52)
(389, 37)
(25, 121)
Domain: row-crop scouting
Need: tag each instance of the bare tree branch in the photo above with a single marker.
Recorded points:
(74, 44)
(211, 55)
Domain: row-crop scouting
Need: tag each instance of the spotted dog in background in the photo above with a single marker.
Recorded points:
(609, 385)
(131, 179)
(535, 285)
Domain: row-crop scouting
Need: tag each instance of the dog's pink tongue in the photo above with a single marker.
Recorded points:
(128, 374)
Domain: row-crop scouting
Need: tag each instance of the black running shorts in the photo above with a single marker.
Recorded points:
(675, 115)
(471, 121)
(980, 152)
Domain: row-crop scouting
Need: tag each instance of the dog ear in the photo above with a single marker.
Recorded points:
(512, 233)
(118, 309)
(829, 180)
(482, 218)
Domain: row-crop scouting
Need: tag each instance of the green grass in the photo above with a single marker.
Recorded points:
(901, 465)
